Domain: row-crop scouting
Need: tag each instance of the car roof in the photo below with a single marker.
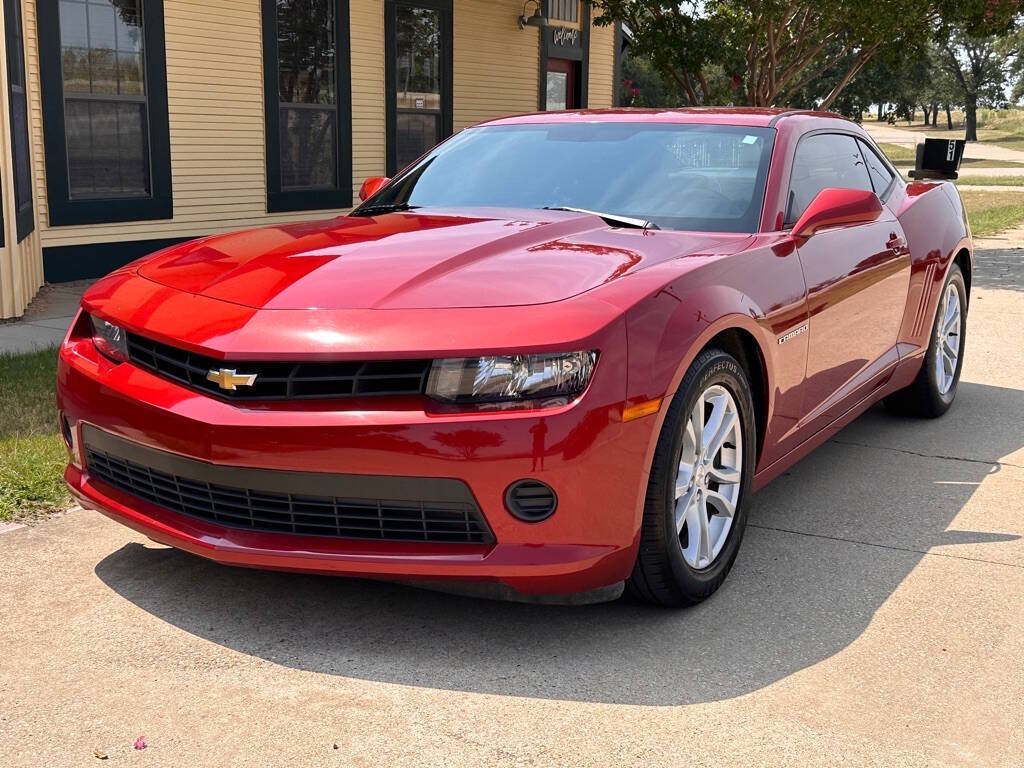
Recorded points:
(751, 116)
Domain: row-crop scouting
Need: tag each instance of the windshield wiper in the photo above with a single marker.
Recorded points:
(612, 219)
(383, 208)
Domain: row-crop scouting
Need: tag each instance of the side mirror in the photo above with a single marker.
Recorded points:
(371, 187)
(833, 207)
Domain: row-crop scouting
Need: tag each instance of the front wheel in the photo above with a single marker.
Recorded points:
(932, 392)
(703, 464)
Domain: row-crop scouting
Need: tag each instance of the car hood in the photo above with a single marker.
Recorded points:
(410, 260)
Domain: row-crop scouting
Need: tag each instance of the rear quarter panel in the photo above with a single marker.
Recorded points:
(935, 224)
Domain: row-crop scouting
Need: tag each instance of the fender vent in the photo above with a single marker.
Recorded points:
(922, 306)
(531, 500)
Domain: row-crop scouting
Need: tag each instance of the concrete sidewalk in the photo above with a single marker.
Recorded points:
(46, 321)
(883, 132)
(874, 617)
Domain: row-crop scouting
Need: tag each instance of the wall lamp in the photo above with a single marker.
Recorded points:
(538, 19)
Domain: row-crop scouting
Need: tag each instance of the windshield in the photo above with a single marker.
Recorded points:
(692, 177)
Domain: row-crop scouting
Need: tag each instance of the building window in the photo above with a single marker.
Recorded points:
(308, 104)
(22, 170)
(419, 75)
(105, 126)
(564, 10)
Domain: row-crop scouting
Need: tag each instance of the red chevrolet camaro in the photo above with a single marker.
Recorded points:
(552, 357)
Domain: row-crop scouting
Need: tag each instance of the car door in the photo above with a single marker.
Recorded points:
(857, 278)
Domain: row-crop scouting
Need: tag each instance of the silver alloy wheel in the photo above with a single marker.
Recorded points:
(708, 482)
(947, 336)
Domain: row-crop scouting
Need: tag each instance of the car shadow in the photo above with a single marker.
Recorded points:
(822, 554)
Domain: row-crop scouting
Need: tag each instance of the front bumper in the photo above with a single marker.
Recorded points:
(596, 463)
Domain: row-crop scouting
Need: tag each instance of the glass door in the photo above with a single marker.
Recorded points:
(561, 84)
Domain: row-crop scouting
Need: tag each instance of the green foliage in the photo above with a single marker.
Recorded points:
(642, 86)
(783, 52)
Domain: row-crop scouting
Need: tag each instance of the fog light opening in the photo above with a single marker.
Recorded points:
(66, 433)
(530, 500)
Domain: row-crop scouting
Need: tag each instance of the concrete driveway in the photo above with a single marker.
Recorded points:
(875, 616)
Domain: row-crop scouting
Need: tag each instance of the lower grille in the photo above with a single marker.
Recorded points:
(292, 508)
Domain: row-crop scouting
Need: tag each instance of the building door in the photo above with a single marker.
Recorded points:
(564, 52)
(561, 84)
(419, 73)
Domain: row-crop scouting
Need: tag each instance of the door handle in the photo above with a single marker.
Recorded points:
(895, 242)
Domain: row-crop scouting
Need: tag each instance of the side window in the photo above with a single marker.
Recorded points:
(881, 176)
(824, 160)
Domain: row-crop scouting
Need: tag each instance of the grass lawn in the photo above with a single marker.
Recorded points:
(898, 155)
(991, 212)
(992, 181)
(32, 453)
(1010, 142)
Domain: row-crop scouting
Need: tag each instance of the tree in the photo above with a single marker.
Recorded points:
(939, 89)
(642, 86)
(980, 67)
(1013, 48)
(772, 49)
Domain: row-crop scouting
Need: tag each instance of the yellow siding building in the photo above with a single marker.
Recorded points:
(128, 125)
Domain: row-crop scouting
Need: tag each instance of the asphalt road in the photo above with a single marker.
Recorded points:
(875, 616)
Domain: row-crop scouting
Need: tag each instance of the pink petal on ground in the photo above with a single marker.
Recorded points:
(140, 743)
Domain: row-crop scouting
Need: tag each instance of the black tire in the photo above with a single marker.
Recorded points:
(923, 398)
(661, 575)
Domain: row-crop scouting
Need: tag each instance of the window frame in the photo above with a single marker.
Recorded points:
(24, 210)
(893, 175)
(280, 200)
(787, 225)
(444, 8)
(551, 6)
(62, 209)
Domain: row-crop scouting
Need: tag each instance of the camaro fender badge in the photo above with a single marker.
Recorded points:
(795, 332)
(230, 379)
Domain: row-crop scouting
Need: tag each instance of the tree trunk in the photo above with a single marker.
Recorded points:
(971, 117)
(935, 114)
(949, 118)
(927, 114)
(880, 111)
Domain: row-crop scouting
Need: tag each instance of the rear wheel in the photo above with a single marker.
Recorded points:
(694, 515)
(932, 392)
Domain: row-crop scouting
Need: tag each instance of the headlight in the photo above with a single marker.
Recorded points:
(504, 378)
(109, 339)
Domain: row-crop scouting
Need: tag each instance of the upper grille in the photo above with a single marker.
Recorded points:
(297, 507)
(283, 381)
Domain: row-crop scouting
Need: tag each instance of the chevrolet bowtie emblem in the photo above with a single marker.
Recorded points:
(230, 379)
